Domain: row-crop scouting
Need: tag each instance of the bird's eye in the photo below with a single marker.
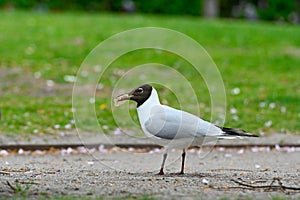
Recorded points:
(140, 90)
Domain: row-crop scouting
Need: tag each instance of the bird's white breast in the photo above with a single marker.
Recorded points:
(144, 110)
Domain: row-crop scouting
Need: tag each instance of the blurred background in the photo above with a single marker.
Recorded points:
(254, 43)
(279, 10)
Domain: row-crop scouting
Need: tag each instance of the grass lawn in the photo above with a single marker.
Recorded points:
(39, 51)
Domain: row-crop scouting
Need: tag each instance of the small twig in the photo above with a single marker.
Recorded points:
(271, 186)
(17, 189)
(4, 173)
(29, 182)
(249, 185)
(281, 187)
(234, 187)
(14, 189)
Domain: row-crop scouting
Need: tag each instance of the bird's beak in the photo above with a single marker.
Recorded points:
(121, 98)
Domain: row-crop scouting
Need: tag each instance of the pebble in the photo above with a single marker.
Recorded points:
(20, 151)
(241, 151)
(4, 153)
(205, 181)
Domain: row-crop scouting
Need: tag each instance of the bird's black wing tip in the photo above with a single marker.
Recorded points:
(251, 135)
(237, 132)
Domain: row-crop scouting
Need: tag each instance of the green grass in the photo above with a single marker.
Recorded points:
(261, 59)
(134, 198)
(84, 198)
(250, 198)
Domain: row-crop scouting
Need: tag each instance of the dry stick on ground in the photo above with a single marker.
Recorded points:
(29, 182)
(15, 189)
(280, 186)
(4, 173)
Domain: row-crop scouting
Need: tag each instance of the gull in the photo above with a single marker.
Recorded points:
(179, 128)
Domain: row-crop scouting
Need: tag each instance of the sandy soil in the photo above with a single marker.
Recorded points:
(126, 172)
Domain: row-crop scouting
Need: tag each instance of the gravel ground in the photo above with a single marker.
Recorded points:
(132, 173)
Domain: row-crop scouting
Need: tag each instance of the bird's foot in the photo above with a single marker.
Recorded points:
(161, 172)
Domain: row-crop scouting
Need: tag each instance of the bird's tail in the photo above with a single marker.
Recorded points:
(232, 132)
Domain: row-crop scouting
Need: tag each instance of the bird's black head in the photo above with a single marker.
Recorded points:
(140, 94)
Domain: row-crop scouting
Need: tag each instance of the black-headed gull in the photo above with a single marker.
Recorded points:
(170, 124)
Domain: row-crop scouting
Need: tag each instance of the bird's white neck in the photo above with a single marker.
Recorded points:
(145, 109)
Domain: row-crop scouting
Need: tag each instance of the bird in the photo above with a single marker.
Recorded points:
(179, 128)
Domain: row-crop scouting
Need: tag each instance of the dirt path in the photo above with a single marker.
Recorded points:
(125, 172)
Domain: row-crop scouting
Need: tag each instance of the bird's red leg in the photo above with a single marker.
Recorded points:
(161, 172)
(182, 164)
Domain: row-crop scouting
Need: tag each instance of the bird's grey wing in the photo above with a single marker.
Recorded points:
(207, 129)
(169, 123)
(163, 123)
